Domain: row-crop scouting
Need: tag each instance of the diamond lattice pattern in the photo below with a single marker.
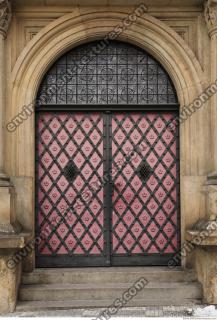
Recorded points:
(145, 213)
(70, 213)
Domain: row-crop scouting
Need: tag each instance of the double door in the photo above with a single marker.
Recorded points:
(107, 188)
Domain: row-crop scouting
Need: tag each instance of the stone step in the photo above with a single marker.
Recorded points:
(25, 306)
(110, 275)
(153, 291)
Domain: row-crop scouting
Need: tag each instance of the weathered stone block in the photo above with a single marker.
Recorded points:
(207, 273)
(9, 283)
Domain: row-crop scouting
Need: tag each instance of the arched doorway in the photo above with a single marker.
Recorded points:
(107, 167)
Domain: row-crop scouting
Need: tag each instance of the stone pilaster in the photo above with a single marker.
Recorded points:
(210, 13)
(8, 222)
(5, 18)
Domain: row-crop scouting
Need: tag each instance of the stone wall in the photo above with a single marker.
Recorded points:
(176, 35)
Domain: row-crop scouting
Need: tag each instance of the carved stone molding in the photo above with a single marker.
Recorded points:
(210, 13)
(5, 16)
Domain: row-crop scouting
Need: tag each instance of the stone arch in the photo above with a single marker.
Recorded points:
(77, 28)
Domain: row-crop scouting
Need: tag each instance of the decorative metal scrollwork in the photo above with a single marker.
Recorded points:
(70, 171)
(118, 74)
(144, 171)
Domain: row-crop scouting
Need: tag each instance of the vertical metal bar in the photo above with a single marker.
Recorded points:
(37, 231)
(178, 200)
(107, 186)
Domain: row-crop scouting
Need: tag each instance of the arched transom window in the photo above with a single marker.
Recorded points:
(117, 74)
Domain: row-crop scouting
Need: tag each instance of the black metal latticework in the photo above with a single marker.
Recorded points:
(119, 74)
(70, 209)
(145, 204)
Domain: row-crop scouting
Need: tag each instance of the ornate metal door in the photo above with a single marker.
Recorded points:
(107, 167)
(145, 226)
(70, 193)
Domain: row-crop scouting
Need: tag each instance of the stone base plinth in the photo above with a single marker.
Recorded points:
(9, 283)
(8, 222)
(207, 273)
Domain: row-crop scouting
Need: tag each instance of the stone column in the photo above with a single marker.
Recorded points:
(7, 193)
(206, 246)
(210, 12)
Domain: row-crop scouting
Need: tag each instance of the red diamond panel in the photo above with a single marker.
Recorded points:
(73, 223)
(145, 218)
(70, 166)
